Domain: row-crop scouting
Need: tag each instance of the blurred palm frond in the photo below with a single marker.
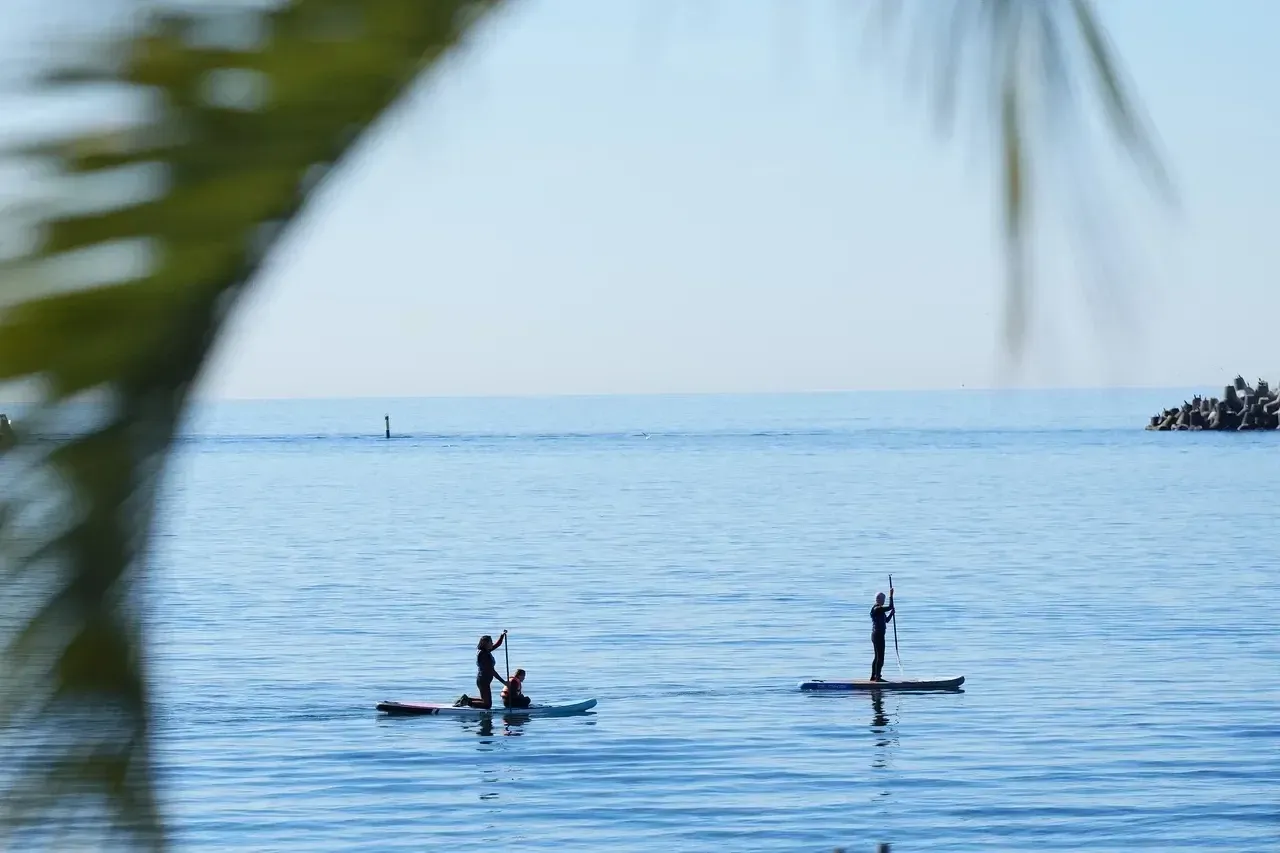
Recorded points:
(237, 113)
(1023, 62)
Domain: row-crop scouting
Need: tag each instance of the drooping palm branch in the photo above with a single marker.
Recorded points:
(1022, 64)
(228, 142)
(233, 137)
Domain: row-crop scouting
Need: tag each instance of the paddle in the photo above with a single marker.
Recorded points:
(896, 653)
(506, 651)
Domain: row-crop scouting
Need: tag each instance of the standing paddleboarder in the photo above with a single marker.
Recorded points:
(880, 616)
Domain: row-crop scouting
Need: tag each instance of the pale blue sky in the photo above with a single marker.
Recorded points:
(689, 195)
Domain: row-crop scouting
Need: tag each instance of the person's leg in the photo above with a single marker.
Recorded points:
(486, 694)
(877, 663)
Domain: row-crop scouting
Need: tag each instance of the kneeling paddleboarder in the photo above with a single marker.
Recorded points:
(880, 616)
(486, 672)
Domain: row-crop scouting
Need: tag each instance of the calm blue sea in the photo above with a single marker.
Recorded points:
(1110, 594)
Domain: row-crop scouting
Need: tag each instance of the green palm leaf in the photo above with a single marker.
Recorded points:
(236, 133)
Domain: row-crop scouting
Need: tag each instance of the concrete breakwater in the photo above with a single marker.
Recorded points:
(1240, 408)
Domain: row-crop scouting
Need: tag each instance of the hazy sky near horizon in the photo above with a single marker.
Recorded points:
(738, 195)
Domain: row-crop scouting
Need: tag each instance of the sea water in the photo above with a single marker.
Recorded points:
(1109, 594)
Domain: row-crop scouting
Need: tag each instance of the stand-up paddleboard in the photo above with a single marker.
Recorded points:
(423, 709)
(906, 684)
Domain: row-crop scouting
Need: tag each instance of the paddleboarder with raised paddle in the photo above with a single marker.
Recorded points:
(881, 614)
(486, 672)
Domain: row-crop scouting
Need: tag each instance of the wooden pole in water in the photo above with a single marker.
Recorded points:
(387, 419)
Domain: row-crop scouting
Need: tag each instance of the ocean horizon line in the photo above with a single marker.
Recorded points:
(991, 390)
(620, 395)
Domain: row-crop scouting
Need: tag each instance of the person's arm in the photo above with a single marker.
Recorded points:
(498, 644)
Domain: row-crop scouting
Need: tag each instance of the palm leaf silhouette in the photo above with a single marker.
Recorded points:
(232, 136)
(1022, 61)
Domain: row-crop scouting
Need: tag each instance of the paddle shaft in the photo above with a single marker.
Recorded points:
(896, 653)
(506, 652)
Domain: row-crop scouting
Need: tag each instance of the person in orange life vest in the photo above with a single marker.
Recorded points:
(513, 694)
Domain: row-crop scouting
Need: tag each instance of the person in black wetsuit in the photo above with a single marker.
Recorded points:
(880, 616)
(486, 672)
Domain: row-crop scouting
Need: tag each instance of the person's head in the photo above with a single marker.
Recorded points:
(520, 674)
(485, 644)
(879, 598)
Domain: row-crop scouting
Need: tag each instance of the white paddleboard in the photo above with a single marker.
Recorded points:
(426, 709)
(906, 684)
